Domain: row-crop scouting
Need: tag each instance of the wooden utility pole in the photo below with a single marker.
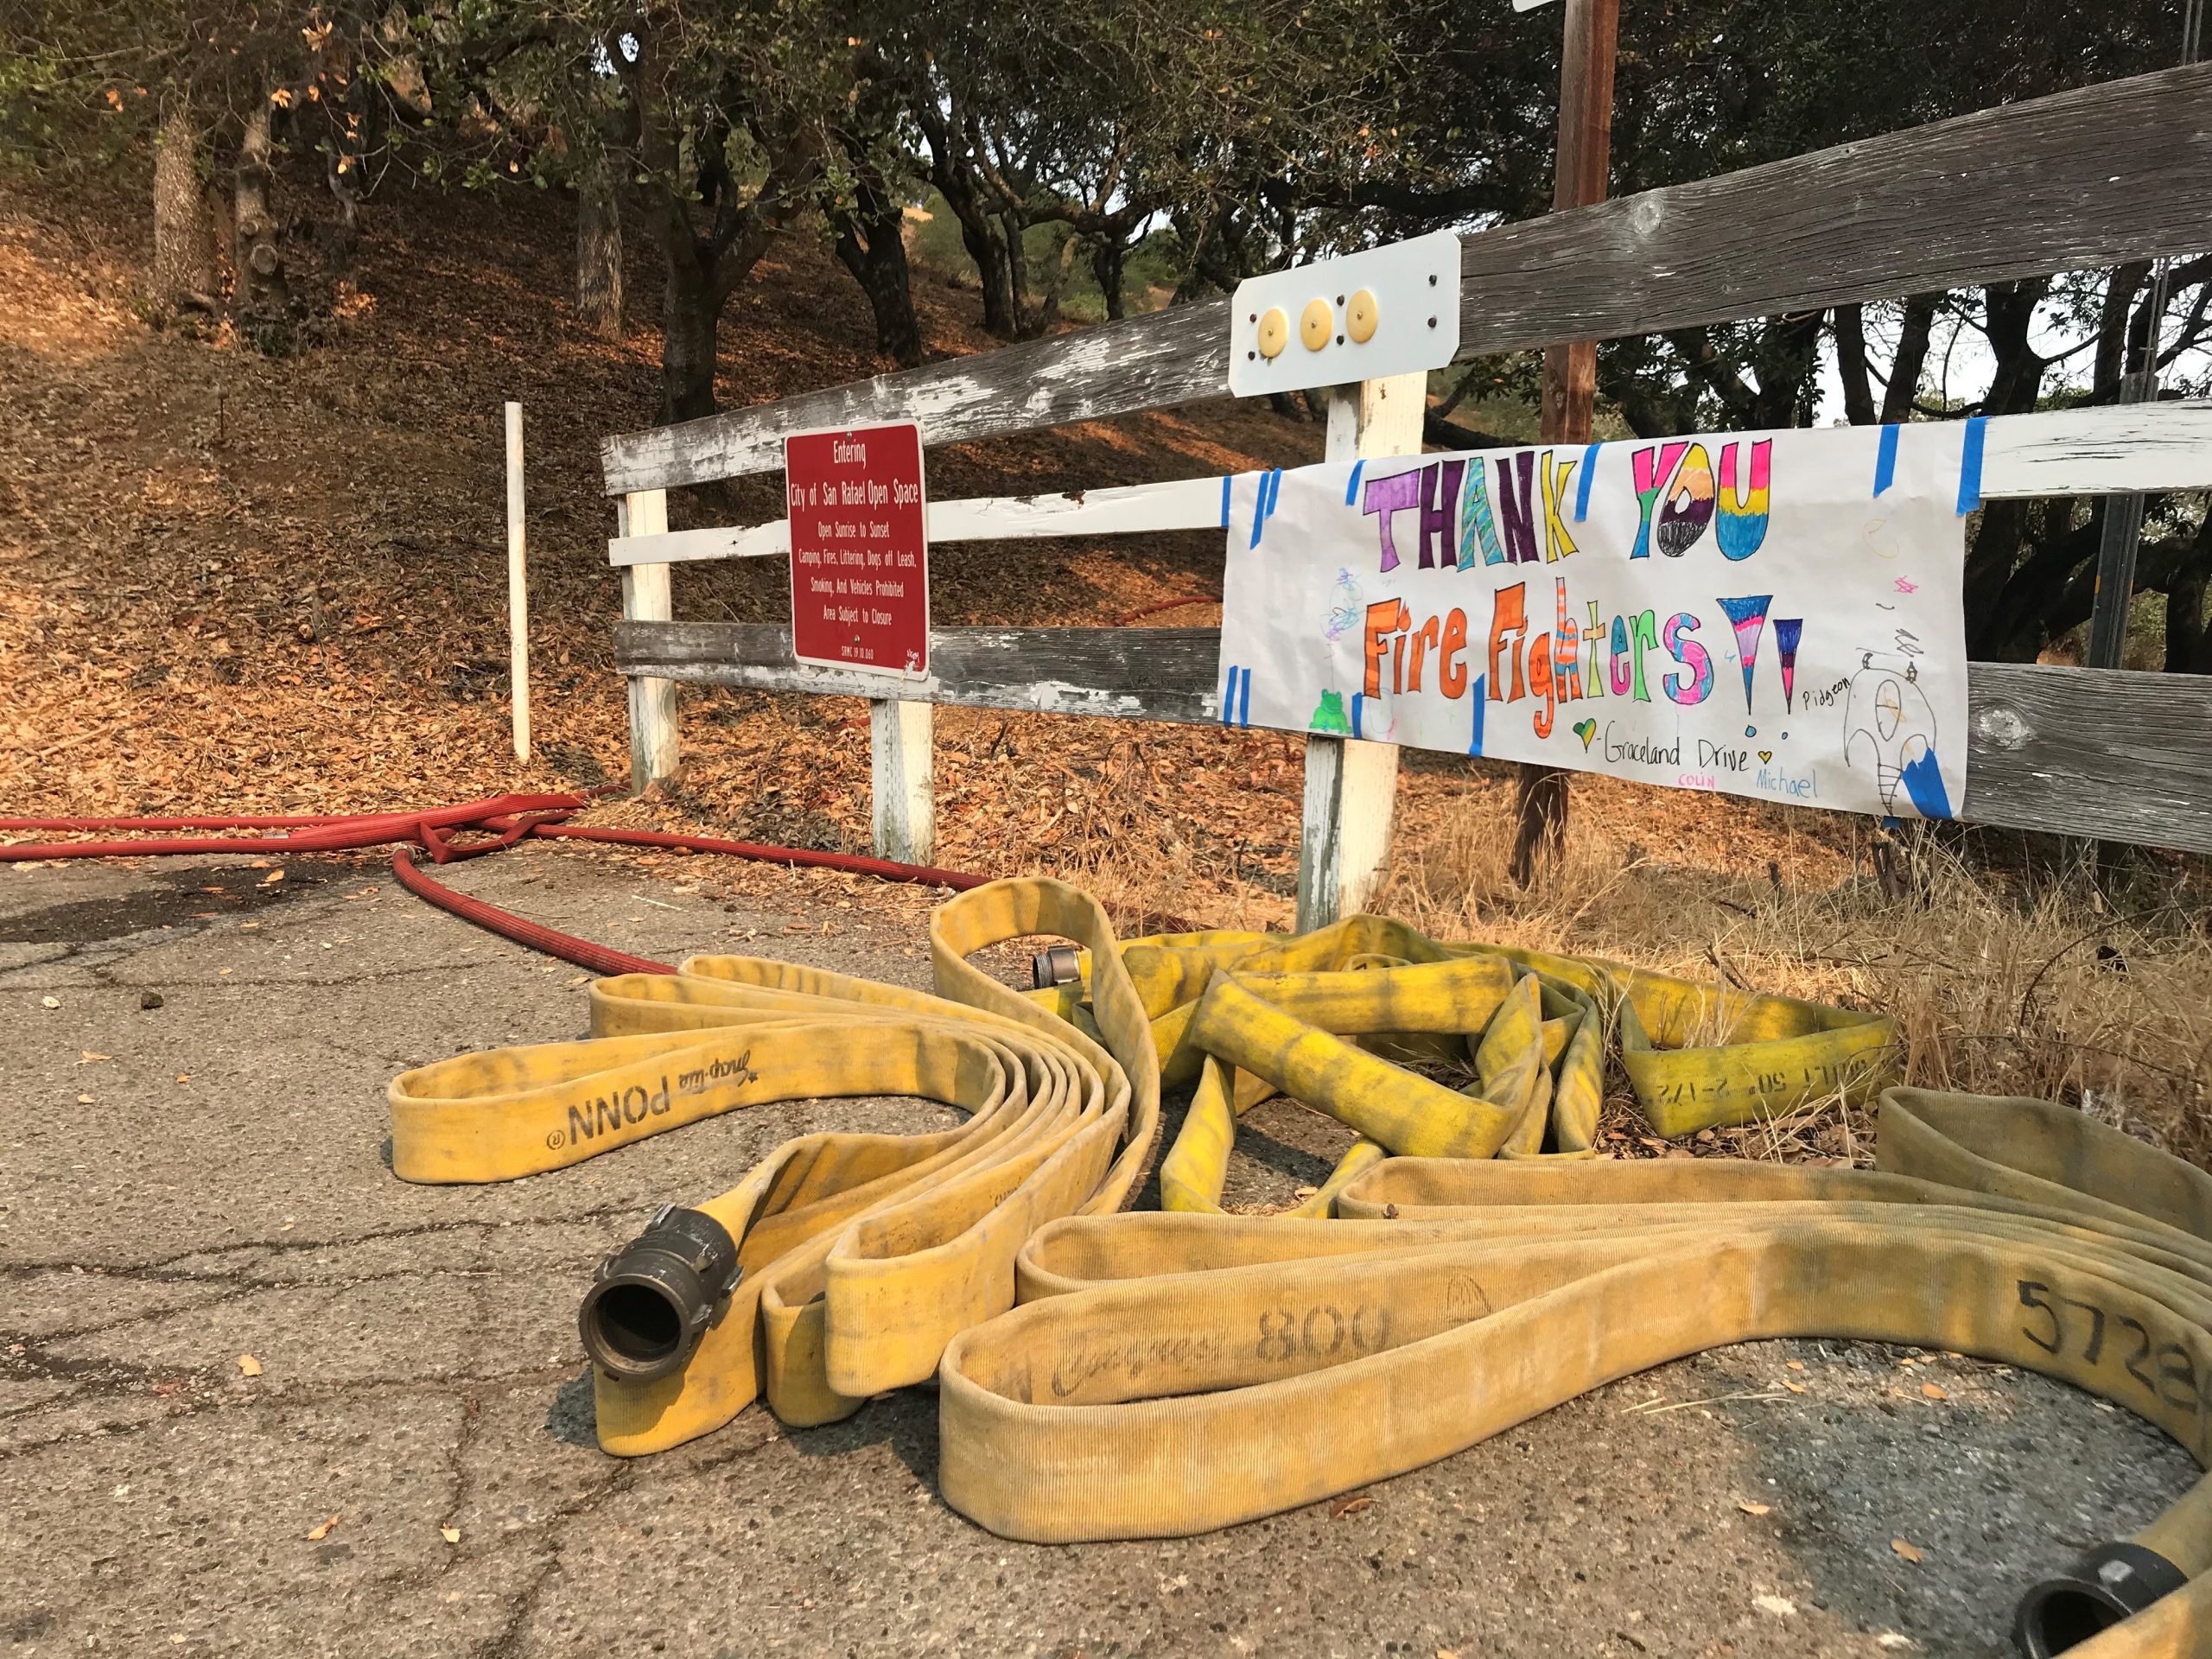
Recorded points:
(1586, 141)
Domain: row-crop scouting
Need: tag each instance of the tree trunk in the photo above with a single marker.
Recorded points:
(1107, 253)
(1000, 317)
(599, 252)
(1911, 358)
(2009, 311)
(2110, 363)
(872, 244)
(351, 104)
(184, 250)
(1851, 366)
(1581, 162)
(690, 319)
(264, 296)
(1788, 354)
(2185, 651)
(1017, 266)
(1056, 282)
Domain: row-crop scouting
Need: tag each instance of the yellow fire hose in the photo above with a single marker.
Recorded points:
(1252, 1014)
(1167, 1374)
(854, 1257)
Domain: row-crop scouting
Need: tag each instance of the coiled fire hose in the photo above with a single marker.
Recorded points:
(1167, 1374)
(842, 1264)
(1171, 1374)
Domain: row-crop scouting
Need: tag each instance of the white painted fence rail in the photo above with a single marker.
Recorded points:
(2116, 450)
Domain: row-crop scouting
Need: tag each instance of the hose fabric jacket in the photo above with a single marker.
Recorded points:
(1172, 1374)
(1249, 1016)
(1119, 1375)
(862, 1254)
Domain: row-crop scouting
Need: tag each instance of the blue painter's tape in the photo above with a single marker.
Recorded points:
(1582, 489)
(1970, 469)
(1885, 460)
(1479, 693)
(1228, 694)
(1224, 502)
(1358, 702)
(1244, 701)
(1351, 487)
(1263, 503)
(1923, 780)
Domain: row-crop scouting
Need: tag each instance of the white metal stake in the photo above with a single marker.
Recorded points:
(518, 589)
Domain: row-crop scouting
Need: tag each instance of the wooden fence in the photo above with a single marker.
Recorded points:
(2090, 178)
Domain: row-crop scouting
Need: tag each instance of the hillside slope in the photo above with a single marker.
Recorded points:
(238, 582)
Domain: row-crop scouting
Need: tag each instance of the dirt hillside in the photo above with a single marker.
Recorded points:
(242, 582)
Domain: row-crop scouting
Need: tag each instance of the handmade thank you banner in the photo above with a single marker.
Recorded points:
(1772, 614)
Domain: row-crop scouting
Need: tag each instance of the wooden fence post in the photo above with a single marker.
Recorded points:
(518, 590)
(645, 598)
(1351, 787)
(899, 735)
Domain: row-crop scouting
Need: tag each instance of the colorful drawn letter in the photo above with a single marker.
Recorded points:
(1475, 521)
(1516, 506)
(1450, 672)
(1439, 505)
(1742, 527)
(1509, 627)
(1632, 637)
(1689, 505)
(1787, 630)
(1424, 643)
(1650, 470)
(1690, 687)
(1385, 498)
(1566, 648)
(1557, 474)
(1749, 616)
(1540, 682)
(1384, 618)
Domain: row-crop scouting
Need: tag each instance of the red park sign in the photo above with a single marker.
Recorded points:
(860, 556)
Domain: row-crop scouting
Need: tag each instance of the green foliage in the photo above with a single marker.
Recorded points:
(1152, 271)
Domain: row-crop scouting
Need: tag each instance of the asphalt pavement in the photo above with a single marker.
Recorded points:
(259, 1396)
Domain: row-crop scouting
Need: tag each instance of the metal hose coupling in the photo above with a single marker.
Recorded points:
(655, 1297)
(2113, 1582)
(1060, 964)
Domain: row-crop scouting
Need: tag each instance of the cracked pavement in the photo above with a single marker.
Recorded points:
(188, 1183)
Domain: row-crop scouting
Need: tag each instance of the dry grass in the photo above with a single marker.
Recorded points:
(2005, 979)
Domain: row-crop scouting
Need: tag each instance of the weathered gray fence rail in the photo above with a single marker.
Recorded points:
(2091, 752)
(2094, 177)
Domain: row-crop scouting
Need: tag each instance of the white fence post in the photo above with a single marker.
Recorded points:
(518, 589)
(899, 735)
(645, 598)
(1351, 787)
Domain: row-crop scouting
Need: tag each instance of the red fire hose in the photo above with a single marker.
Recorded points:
(506, 819)
(600, 958)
